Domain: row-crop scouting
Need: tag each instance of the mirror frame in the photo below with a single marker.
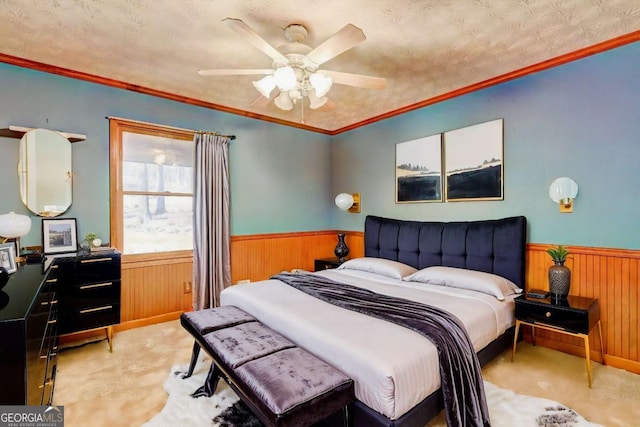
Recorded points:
(40, 137)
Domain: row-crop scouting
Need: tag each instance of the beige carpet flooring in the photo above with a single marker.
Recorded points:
(124, 388)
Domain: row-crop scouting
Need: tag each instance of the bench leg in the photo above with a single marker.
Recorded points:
(194, 359)
(210, 384)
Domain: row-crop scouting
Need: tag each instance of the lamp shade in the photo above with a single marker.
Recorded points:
(315, 102)
(14, 225)
(285, 78)
(265, 85)
(563, 190)
(320, 83)
(344, 201)
(283, 101)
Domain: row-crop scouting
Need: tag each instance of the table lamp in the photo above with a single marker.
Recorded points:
(14, 226)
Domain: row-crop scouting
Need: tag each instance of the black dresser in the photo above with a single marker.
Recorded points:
(75, 293)
(89, 292)
(28, 330)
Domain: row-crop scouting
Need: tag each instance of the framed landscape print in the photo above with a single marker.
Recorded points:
(419, 170)
(59, 235)
(474, 162)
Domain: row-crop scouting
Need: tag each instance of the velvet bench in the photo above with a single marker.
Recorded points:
(282, 384)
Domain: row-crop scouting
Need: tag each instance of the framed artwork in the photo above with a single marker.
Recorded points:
(419, 170)
(8, 257)
(474, 162)
(59, 235)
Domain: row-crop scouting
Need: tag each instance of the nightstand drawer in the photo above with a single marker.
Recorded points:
(577, 322)
(561, 314)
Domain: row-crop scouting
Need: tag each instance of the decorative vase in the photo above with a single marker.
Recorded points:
(341, 250)
(559, 280)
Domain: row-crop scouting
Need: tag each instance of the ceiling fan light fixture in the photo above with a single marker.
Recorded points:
(320, 83)
(315, 101)
(283, 101)
(265, 86)
(285, 78)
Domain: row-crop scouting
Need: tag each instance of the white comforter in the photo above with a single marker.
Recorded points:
(393, 368)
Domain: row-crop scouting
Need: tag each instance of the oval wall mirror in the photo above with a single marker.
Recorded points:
(45, 173)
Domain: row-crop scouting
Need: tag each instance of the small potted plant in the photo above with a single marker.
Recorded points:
(559, 274)
(558, 254)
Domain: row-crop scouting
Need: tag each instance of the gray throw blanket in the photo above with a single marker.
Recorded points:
(461, 377)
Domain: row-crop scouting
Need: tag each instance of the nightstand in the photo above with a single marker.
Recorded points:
(326, 263)
(575, 316)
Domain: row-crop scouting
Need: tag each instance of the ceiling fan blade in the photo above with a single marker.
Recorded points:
(235, 72)
(357, 80)
(252, 37)
(348, 37)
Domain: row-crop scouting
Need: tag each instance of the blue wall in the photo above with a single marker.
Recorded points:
(580, 120)
(280, 176)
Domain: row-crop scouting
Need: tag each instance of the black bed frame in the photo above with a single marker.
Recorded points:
(492, 246)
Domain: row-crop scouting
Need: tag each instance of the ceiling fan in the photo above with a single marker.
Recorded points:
(295, 71)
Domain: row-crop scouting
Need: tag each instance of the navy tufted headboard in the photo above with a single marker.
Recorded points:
(493, 246)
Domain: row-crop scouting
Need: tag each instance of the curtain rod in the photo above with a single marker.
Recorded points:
(231, 137)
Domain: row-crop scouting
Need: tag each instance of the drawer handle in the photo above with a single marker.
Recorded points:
(54, 266)
(87, 261)
(92, 310)
(97, 285)
(548, 314)
(51, 280)
(51, 322)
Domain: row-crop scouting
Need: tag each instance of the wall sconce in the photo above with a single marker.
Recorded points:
(348, 202)
(563, 191)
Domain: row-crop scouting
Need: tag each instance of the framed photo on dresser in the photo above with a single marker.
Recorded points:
(59, 235)
(8, 257)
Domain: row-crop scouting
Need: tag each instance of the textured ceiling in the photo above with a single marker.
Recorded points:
(424, 48)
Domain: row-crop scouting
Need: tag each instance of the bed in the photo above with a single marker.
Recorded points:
(395, 370)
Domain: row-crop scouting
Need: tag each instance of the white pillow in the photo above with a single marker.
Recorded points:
(384, 267)
(462, 278)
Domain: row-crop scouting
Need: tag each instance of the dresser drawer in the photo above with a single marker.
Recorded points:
(97, 269)
(83, 317)
(100, 290)
(555, 316)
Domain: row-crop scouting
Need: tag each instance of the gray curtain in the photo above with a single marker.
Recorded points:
(211, 257)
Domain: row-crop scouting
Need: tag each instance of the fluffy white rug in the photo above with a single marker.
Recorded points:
(506, 408)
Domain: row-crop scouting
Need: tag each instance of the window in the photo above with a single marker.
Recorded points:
(151, 187)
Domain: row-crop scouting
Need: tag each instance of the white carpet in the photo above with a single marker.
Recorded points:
(506, 408)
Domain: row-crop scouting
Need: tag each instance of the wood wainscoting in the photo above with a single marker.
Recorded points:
(156, 290)
(258, 257)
